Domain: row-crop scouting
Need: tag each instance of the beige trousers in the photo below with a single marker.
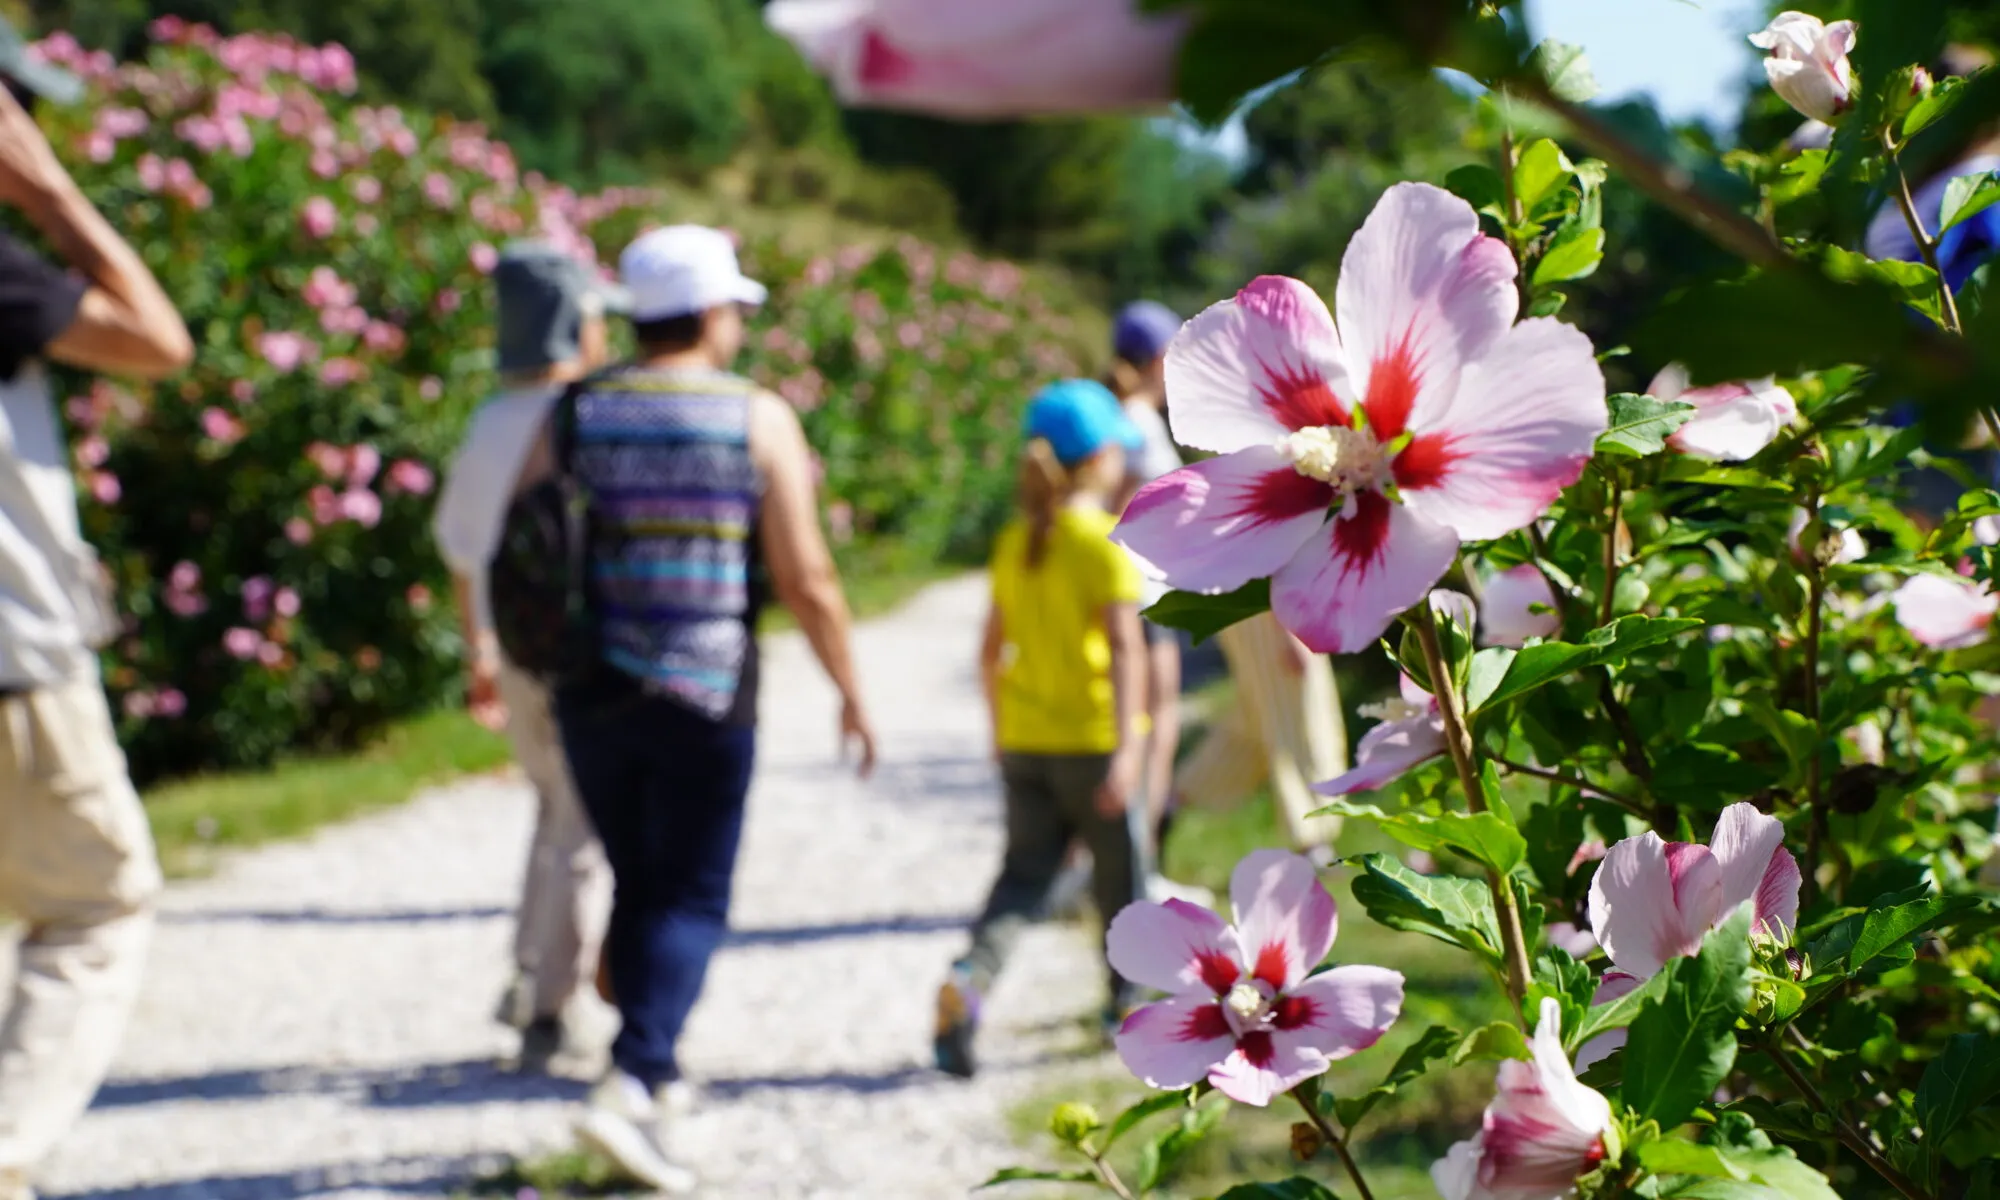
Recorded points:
(77, 867)
(1284, 729)
(566, 899)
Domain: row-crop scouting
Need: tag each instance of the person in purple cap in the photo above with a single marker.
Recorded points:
(1063, 662)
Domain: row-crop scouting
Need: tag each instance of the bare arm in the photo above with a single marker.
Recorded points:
(482, 660)
(125, 323)
(990, 646)
(801, 566)
(1128, 686)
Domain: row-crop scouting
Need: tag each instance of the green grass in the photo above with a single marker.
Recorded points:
(563, 1175)
(194, 817)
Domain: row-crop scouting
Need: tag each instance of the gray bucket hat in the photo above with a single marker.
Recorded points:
(45, 80)
(544, 295)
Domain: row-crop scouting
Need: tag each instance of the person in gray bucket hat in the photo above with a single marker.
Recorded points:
(552, 332)
(77, 866)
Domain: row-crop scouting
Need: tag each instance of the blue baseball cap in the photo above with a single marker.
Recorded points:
(1078, 418)
(1143, 330)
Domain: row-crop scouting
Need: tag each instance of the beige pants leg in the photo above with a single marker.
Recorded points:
(566, 900)
(77, 865)
(1285, 729)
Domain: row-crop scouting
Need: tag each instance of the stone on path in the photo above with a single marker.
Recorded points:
(318, 1016)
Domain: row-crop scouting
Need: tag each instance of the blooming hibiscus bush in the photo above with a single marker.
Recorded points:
(1694, 737)
(266, 514)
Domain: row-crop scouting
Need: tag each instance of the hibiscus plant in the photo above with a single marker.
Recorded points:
(1694, 738)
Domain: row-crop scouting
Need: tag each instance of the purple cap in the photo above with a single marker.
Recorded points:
(1143, 330)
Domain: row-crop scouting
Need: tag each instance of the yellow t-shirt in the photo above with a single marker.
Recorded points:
(1056, 695)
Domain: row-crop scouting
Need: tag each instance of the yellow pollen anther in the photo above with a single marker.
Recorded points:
(1334, 454)
(1245, 1001)
(1393, 709)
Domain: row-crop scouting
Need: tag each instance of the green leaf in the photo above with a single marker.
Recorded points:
(1574, 254)
(1968, 196)
(1860, 939)
(1160, 1155)
(1606, 646)
(1130, 1119)
(1778, 1170)
(1290, 1189)
(1783, 321)
(1488, 668)
(1944, 93)
(1640, 425)
(1541, 172)
(1205, 616)
(1964, 1077)
(1913, 283)
(1483, 837)
(1682, 1045)
(1436, 1042)
(1479, 186)
(1459, 911)
(1567, 70)
(1026, 1175)
(1497, 1042)
(1617, 1014)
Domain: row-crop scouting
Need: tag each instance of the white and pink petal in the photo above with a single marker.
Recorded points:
(1640, 900)
(1339, 1012)
(1285, 920)
(1368, 566)
(1749, 847)
(1247, 371)
(1175, 947)
(1175, 1042)
(1218, 524)
(1387, 752)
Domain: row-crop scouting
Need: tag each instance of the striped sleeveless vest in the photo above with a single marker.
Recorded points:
(675, 564)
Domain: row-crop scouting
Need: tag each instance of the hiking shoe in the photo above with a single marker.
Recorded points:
(628, 1127)
(957, 1024)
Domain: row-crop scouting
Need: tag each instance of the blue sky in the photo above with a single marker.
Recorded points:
(1689, 55)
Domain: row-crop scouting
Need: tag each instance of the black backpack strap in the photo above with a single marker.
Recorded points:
(562, 423)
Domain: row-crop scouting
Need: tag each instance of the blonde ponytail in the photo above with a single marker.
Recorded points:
(1125, 380)
(1044, 487)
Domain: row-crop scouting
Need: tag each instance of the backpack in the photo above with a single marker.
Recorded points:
(539, 580)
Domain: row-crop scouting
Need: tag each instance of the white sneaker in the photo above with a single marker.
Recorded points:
(629, 1127)
(14, 1186)
(1160, 889)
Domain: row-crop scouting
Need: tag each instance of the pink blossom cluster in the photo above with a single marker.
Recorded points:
(183, 595)
(144, 705)
(62, 50)
(173, 177)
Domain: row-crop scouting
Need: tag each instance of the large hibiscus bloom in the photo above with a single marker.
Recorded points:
(1542, 1131)
(1354, 460)
(1244, 1009)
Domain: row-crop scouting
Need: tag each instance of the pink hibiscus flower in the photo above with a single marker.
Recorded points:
(1732, 421)
(1945, 613)
(1411, 732)
(1542, 1131)
(1517, 604)
(1355, 460)
(1244, 1010)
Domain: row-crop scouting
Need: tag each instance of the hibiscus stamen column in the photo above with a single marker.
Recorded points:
(1465, 757)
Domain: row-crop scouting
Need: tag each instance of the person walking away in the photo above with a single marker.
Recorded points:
(703, 502)
(1285, 729)
(552, 333)
(77, 865)
(1063, 663)
(1140, 336)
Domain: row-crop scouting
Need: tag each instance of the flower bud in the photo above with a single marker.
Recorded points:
(1799, 965)
(1306, 1141)
(1071, 1123)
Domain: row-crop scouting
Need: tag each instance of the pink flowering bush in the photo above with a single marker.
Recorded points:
(266, 514)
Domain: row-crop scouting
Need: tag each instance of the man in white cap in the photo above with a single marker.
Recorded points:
(703, 505)
(76, 858)
(552, 332)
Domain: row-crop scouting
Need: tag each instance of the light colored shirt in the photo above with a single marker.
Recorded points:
(1157, 456)
(53, 608)
(481, 484)
(1056, 694)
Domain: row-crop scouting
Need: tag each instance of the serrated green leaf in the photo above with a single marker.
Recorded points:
(1609, 645)
(1204, 616)
(1574, 254)
(1968, 196)
(1416, 1061)
(1965, 1076)
(1459, 911)
(1567, 69)
(1133, 1116)
(1859, 939)
(1482, 837)
(1497, 1042)
(1640, 425)
(1683, 1044)
(1027, 1175)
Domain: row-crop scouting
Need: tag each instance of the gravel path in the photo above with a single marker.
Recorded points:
(317, 1017)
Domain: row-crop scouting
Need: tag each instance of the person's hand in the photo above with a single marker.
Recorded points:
(29, 171)
(482, 695)
(1120, 784)
(856, 731)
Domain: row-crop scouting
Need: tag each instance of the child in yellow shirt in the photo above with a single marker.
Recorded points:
(1063, 662)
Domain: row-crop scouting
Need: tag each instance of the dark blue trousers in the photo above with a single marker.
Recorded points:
(665, 788)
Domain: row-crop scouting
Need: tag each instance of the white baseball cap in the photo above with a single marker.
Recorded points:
(684, 269)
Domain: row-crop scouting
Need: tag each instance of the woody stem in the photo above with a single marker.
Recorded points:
(1334, 1139)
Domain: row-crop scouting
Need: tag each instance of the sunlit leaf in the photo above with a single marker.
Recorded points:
(1204, 616)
